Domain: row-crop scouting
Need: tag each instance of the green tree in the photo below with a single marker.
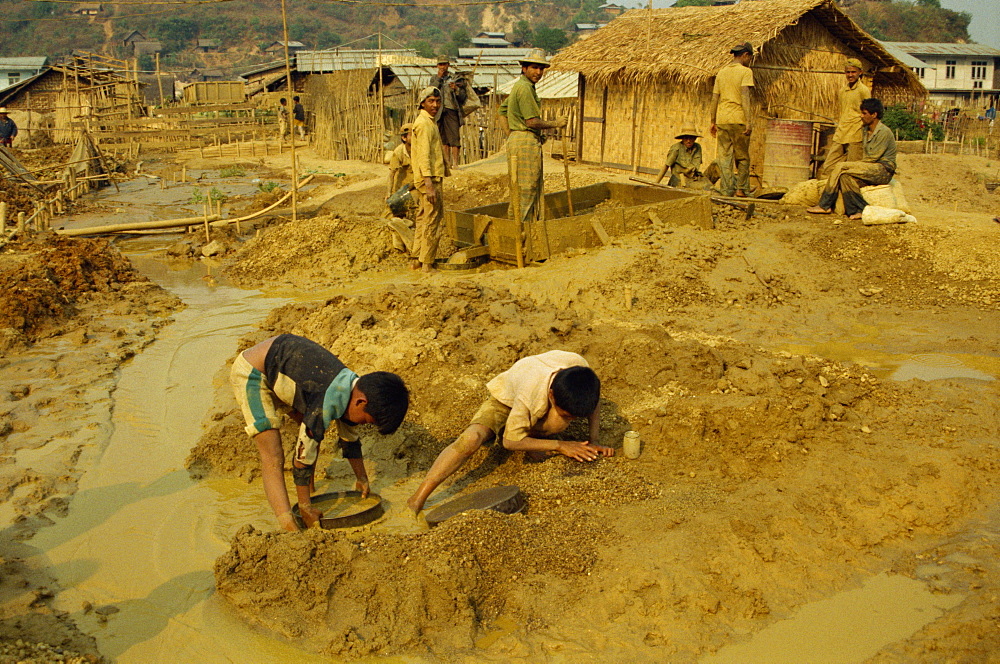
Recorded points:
(423, 48)
(146, 62)
(551, 39)
(177, 34)
(522, 33)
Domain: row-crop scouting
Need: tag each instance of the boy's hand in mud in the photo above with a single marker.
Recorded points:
(583, 451)
(310, 515)
(287, 522)
(363, 487)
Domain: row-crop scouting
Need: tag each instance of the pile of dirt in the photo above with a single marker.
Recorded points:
(48, 277)
(19, 197)
(949, 183)
(54, 158)
(323, 250)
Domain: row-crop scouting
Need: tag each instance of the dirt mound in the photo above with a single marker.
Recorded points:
(448, 581)
(322, 250)
(47, 278)
(949, 182)
(19, 198)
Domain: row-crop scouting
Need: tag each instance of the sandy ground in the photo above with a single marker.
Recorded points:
(783, 461)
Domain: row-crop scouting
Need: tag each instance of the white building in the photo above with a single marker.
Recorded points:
(954, 74)
(15, 70)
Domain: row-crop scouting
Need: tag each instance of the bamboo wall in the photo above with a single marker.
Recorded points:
(347, 118)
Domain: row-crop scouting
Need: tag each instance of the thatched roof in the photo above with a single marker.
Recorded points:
(688, 45)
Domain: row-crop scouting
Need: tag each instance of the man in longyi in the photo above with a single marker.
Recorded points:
(523, 113)
(732, 120)
(846, 142)
(877, 165)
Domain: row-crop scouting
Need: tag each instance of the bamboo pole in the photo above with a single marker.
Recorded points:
(135, 226)
(291, 90)
(20, 222)
(569, 195)
(159, 82)
(3, 215)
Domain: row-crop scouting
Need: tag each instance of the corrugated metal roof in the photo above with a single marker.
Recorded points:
(554, 85)
(490, 41)
(495, 54)
(487, 74)
(904, 57)
(30, 62)
(935, 48)
(339, 59)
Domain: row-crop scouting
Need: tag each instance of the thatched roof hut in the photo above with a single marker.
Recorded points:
(649, 73)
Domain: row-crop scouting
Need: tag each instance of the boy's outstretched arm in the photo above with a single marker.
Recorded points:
(580, 451)
(272, 462)
(594, 419)
(358, 466)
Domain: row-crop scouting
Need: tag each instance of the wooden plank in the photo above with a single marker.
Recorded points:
(601, 233)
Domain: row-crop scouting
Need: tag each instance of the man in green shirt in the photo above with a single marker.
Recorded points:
(877, 165)
(683, 158)
(522, 110)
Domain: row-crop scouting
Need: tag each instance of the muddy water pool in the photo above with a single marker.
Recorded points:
(141, 534)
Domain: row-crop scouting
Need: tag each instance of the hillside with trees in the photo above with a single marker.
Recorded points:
(242, 28)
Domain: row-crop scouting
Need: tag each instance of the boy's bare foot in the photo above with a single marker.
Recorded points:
(414, 264)
(429, 267)
(855, 216)
(818, 210)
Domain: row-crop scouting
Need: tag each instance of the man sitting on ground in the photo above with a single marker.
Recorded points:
(537, 397)
(877, 166)
(321, 391)
(683, 158)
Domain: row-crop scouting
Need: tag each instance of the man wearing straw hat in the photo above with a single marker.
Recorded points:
(846, 142)
(449, 116)
(522, 110)
(731, 120)
(427, 162)
(683, 158)
(8, 128)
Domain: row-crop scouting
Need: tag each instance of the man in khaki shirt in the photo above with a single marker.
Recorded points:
(537, 397)
(427, 162)
(846, 142)
(732, 120)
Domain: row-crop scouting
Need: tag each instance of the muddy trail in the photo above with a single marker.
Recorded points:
(816, 402)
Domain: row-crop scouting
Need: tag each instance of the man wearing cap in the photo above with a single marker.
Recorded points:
(732, 120)
(876, 166)
(8, 128)
(449, 116)
(522, 111)
(683, 158)
(400, 172)
(427, 162)
(846, 142)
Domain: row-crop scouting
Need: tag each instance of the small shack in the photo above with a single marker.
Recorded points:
(649, 73)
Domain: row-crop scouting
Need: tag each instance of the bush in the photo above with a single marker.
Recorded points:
(910, 125)
(232, 172)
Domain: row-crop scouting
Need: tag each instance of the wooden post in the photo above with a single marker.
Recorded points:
(569, 195)
(208, 237)
(3, 215)
(72, 183)
(184, 173)
(515, 207)
(20, 222)
(159, 83)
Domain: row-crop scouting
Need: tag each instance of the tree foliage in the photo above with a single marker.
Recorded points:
(176, 34)
(910, 125)
(923, 21)
(549, 39)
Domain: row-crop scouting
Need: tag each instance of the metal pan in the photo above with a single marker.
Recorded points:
(339, 500)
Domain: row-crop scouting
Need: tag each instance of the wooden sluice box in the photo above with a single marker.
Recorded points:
(602, 211)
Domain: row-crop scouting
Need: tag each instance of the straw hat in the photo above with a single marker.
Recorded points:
(535, 57)
(688, 131)
(405, 129)
(429, 91)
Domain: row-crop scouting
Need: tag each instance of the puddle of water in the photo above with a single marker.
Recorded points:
(844, 629)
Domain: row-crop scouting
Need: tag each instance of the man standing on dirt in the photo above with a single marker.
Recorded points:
(282, 118)
(449, 117)
(523, 113)
(299, 117)
(321, 392)
(429, 168)
(8, 128)
(877, 165)
(846, 142)
(732, 120)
